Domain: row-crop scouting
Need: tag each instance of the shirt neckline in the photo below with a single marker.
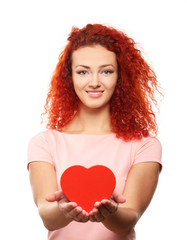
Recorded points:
(85, 134)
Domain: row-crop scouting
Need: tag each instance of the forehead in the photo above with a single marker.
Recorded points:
(96, 54)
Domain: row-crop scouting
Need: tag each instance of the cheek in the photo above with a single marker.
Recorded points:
(77, 83)
(111, 84)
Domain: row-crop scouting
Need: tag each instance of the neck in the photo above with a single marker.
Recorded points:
(90, 121)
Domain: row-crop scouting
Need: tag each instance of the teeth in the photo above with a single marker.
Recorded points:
(95, 92)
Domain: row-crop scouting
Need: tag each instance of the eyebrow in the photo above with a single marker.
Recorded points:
(87, 67)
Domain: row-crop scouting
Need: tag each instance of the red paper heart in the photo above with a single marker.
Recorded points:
(85, 186)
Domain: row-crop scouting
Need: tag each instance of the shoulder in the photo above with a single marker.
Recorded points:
(45, 135)
(147, 142)
(147, 149)
(46, 139)
(142, 144)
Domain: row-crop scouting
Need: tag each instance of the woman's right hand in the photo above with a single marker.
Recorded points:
(69, 209)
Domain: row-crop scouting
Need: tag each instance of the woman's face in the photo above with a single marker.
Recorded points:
(94, 73)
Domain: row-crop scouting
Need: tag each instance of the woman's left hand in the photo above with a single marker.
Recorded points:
(105, 208)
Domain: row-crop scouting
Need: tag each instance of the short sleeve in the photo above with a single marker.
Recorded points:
(148, 150)
(39, 150)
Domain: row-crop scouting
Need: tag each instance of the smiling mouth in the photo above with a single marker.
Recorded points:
(95, 93)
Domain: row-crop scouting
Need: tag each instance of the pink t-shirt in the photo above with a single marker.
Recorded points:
(64, 150)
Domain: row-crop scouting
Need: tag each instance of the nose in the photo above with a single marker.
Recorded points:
(94, 81)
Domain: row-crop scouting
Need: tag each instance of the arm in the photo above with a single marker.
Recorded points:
(140, 186)
(56, 213)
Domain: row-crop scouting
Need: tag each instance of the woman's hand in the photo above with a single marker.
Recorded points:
(105, 208)
(72, 212)
(70, 209)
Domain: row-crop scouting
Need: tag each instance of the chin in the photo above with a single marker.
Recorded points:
(95, 106)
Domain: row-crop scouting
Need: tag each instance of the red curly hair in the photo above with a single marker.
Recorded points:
(132, 116)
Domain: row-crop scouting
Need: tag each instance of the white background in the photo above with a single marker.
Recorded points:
(33, 33)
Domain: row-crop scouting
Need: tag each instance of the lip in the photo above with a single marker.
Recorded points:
(94, 94)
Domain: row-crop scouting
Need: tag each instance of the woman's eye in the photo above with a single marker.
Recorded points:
(107, 72)
(82, 72)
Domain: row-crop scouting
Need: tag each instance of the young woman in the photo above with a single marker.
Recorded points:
(99, 113)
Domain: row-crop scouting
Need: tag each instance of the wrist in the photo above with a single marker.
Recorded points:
(52, 216)
(122, 222)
